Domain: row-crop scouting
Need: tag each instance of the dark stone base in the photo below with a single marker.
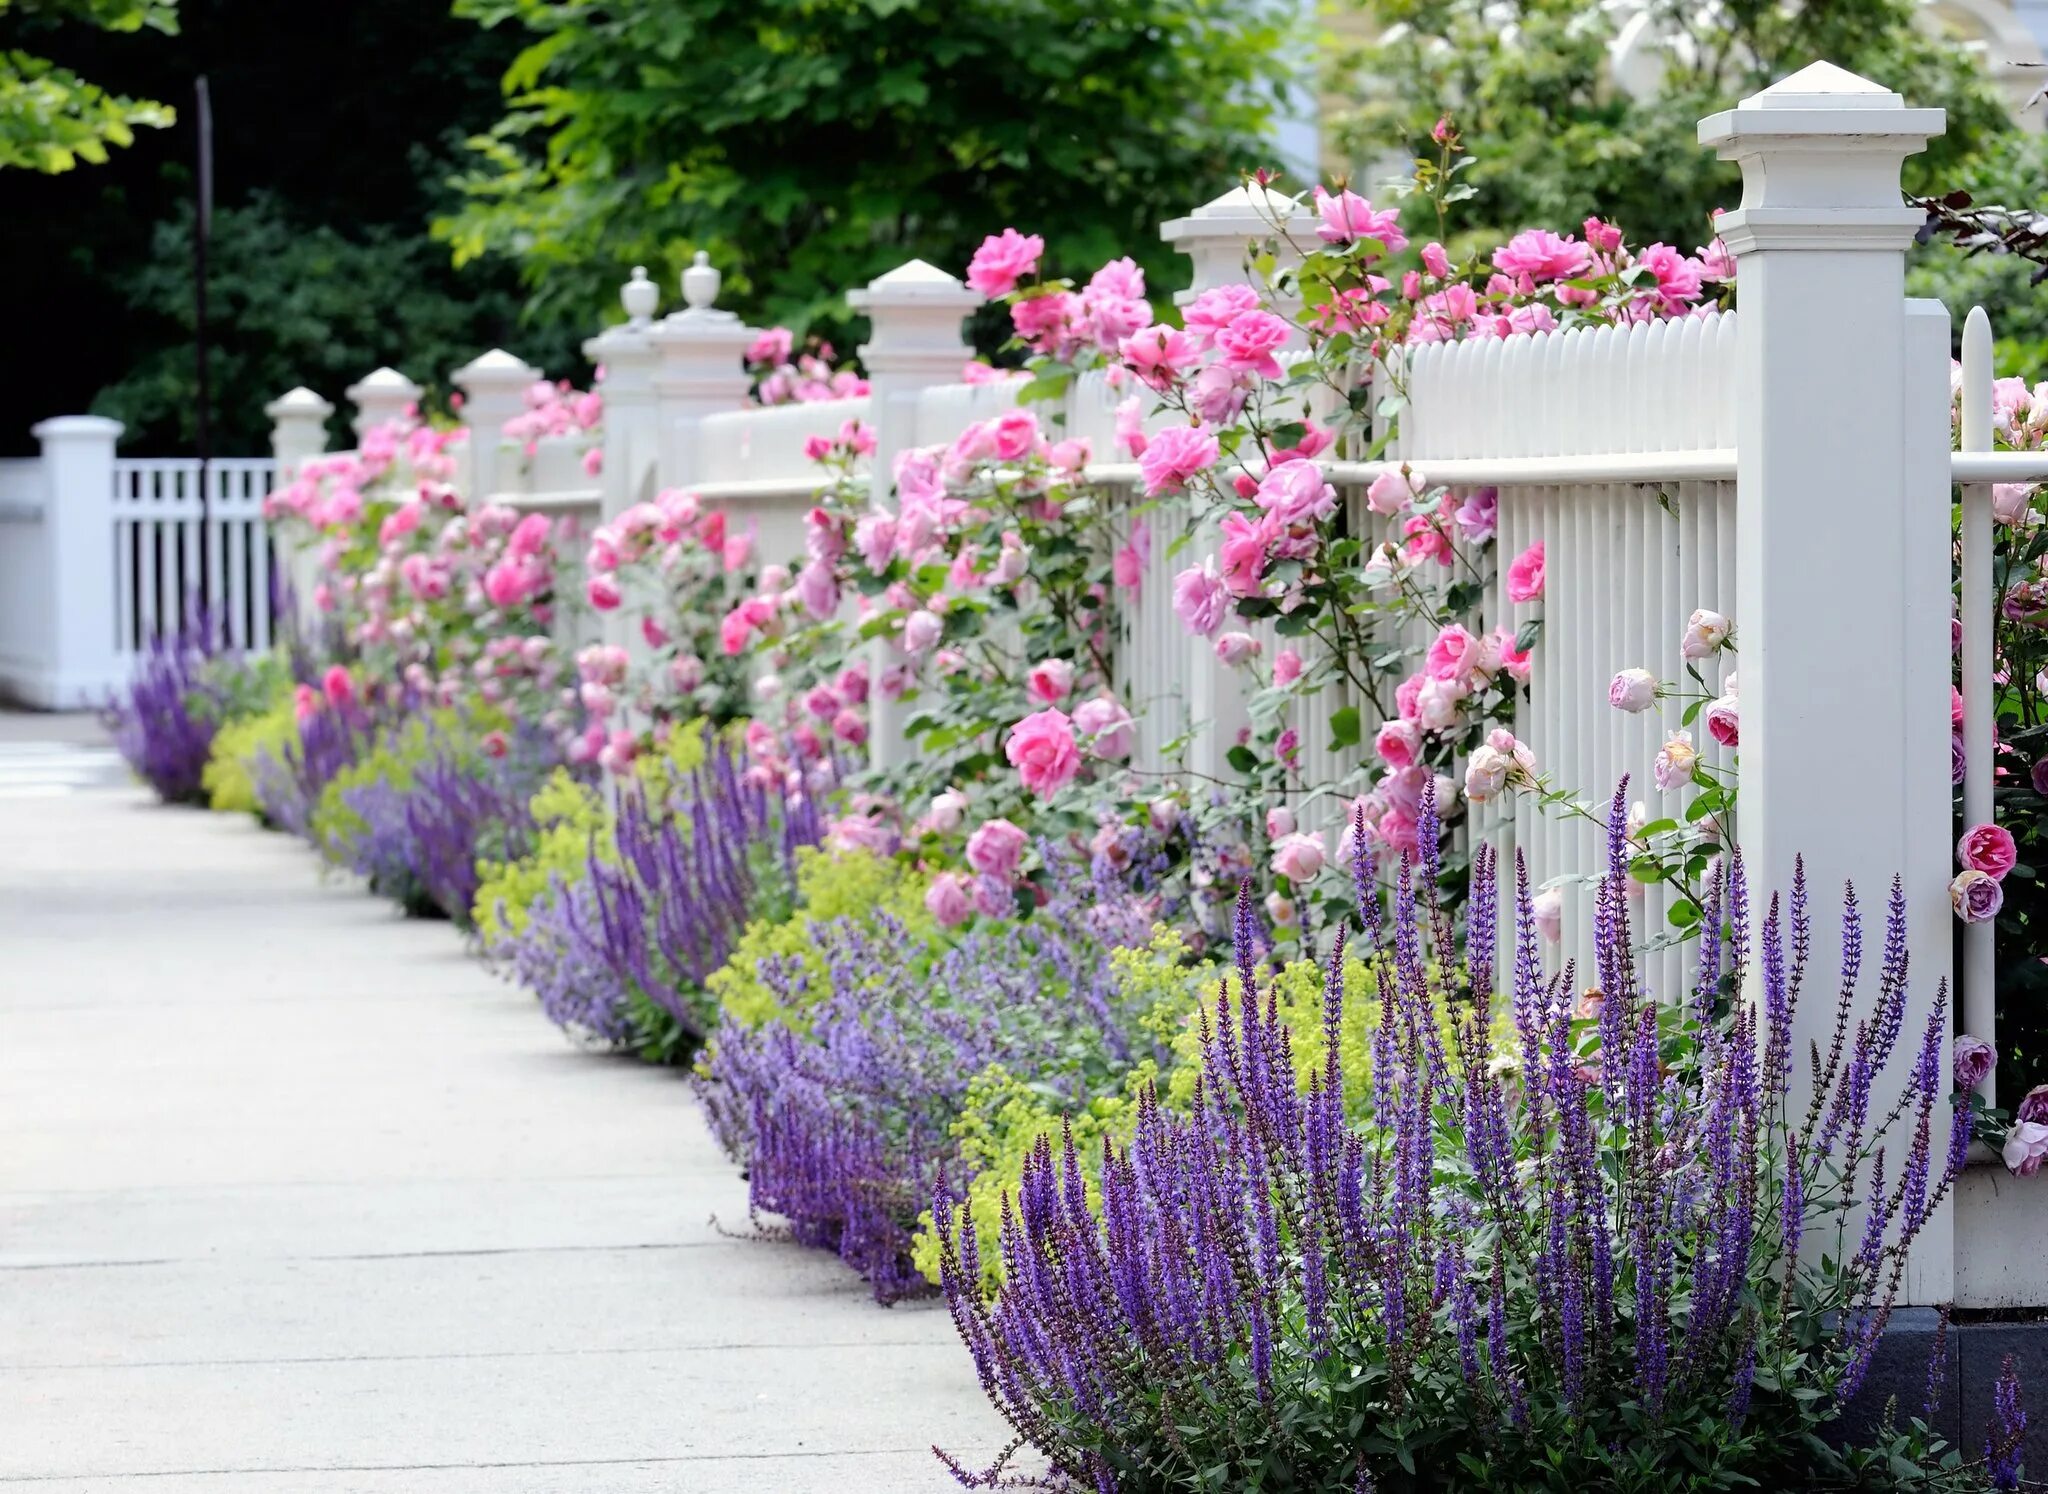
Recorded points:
(1975, 1351)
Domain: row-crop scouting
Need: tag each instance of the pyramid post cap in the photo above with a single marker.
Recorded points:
(914, 282)
(299, 401)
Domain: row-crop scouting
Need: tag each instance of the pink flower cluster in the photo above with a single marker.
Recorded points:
(783, 376)
(1985, 853)
(555, 410)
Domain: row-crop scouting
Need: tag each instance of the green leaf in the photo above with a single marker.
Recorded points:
(1344, 728)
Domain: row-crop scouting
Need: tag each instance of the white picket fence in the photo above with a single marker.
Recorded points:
(1789, 467)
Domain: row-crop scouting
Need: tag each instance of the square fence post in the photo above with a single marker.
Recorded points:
(381, 397)
(493, 389)
(84, 660)
(699, 370)
(1842, 545)
(298, 433)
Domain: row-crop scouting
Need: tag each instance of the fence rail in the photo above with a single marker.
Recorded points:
(176, 554)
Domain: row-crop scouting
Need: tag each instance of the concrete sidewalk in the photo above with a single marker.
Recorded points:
(295, 1198)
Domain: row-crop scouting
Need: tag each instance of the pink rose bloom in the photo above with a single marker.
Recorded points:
(994, 848)
(1347, 216)
(850, 727)
(1548, 908)
(1235, 648)
(1974, 1059)
(1454, 655)
(1724, 722)
(2026, 1147)
(1391, 492)
(1295, 493)
(1396, 830)
(1047, 322)
(772, 346)
(1705, 632)
(1435, 261)
(1043, 751)
(1542, 255)
(1514, 660)
(1279, 822)
(1525, 575)
(1130, 426)
(921, 630)
(875, 537)
(603, 592)
(1250, 341)
(1208, 314)
(1200, 599)
(1171, 459)
(1287, 667)
(1988, 849)
(1976, 896)
(735, 552)
(530, 537)
(1408, 697)
(2034, 1105)
(1159, 355)
(1298, 857)
(1633, 690)
(1127, 568)
(1002, 260)
(1016, 433)
(338, 687)
(1397, 742)
(1218, 394)
(1478, 514)
(1243, 553)
(948, 899)
(1050, 680)
(948, 811)
(1678, 277)
(1675, 760)
(1108, 727)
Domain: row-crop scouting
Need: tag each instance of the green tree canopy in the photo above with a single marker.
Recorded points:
(50, 117)
(810, 145)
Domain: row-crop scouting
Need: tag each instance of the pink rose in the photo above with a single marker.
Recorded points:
(1173, 458)
(1633, 690)
(1286, 667)
(1976, 896)
(1107, 726)
(2034, 1105)
(2026, 1147)
(1347, 216)
(1454, 655)
(1973, 1061)
(1200, 599)
(1043, 751)
(1208, 314)
(1235, 648)
(1525, 575)
(604, 593)
(338, 687)
(1294, 492)
(850, 727)
(1542, 255)
(1243, 553)
(1159, 355)
(994, 848)
(1988, 849)
(1250, 341)
(1002, 260)
(1016, 433)
(1397, 742)
(1050, 680)
(948, 899)
(1705, 633)
(1548, 908)
(921, 630)
(1724, 722)
(1279, 822)
(1298, 857)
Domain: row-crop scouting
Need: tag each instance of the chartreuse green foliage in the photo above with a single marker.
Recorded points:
(574, 821)
(259, 719)
(809, 145)
(829, 884)
(50, 118)
(1004, 1118)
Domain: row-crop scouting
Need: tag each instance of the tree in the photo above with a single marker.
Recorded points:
(810, 145)
(1555, 138)
(50, 117)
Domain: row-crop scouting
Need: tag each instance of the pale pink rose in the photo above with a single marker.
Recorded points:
(2011, 502)
(817, 590)
(1525, 575)
(850, 727)
(736, 551)
(1724, 721)
(1675, 760)
(1286, 667)
(1002, 260)
(1049, 681)
(1633, 690)
(1108, 727)
(1973, 1059)
(1218, 394)
(1200, 599)
(1976, 896)
(1988, 849)
(1548, 908)
(1130, 426)
(948, 811)
(1071, 455)
(2026, 1147)
(1705, 633)
(1279, 822)
(1175, 456)
(1397, 742)
(1391, 492)
(1439, 702)
(921, 630)
(994, 848)
(1294, 492)
(948, 899)
(1235, 648)
(1281, 911)
(1486, 773)
(1298, 856)
(1043, 751)
(686, 672)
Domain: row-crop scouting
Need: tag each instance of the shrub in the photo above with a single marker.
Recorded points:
(1580, 1269)
(183, 693)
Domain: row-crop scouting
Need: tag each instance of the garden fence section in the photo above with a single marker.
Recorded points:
(100, 554)
(1825, 405)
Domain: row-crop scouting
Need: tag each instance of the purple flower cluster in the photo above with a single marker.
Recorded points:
(560, 955)
(288, 787)
(164, 722)
(1535, 1253)
(842, 1120)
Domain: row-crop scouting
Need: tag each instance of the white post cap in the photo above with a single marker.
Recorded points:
(384, 385)
(914, 314)
(77, 428)
(1820, 153)
(495, 370)
(300, 401)
(1216, 234)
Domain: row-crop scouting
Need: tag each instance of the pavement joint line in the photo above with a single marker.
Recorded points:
(366, 1255)
(705, 1457)
(101, 1366)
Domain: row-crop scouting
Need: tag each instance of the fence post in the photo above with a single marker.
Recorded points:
(914, 342)
(630, 433)
(298, 433)
(84, 659)
(1216, 237)
(493, 391)
(1842, 444)
(381, 397)
(699, 352)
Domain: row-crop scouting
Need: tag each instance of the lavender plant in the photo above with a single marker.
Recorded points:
(842, 1115)
(1582, 1263)
(184, 688)
(290, 781)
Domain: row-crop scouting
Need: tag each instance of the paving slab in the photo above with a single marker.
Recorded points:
(297, 1197)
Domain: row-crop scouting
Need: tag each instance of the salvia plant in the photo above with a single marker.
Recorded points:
(1621, 1249)
(290, 781)
(841, 1115)
(164, 722)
